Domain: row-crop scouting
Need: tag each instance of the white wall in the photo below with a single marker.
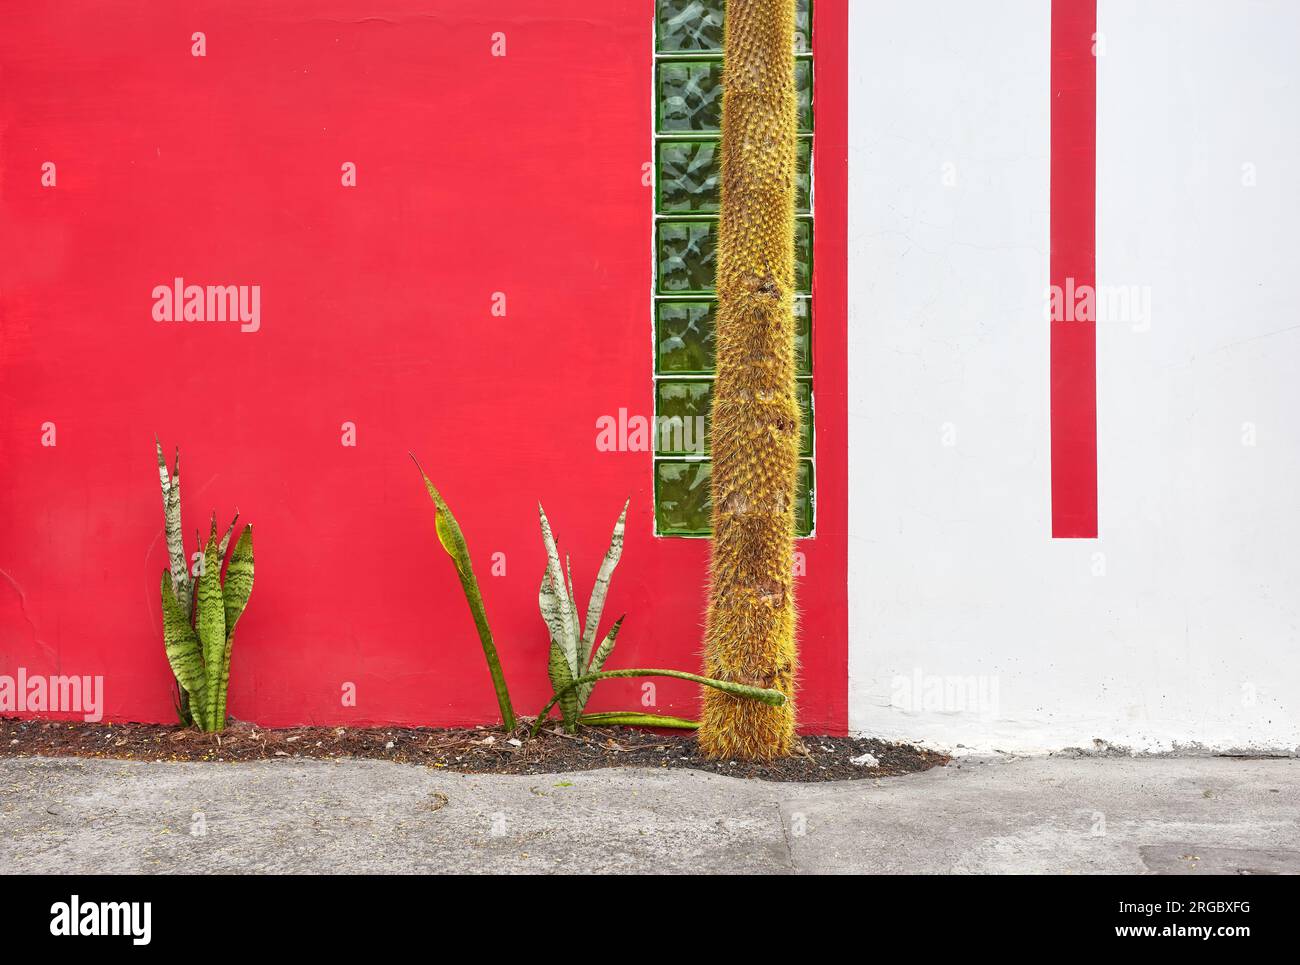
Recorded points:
(1183, 631)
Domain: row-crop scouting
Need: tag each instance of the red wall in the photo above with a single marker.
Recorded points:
(476, 174)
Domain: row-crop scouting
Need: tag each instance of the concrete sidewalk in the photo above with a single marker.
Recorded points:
(1054, 815)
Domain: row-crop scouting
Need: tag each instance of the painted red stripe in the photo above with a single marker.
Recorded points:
(1073, 264)
(821, 653)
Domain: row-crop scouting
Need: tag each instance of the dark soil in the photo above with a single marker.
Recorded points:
(479, 750)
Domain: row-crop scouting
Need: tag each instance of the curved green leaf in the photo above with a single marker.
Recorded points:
(239, 578)
(552, 607)
(572, 593)
(183, 652)
(567, 638)
(182, 586)
(211, 626)
(596, 606)
(234, 598)
(225, 540)
(628, 718)
(773, 697)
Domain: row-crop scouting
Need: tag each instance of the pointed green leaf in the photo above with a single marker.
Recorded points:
(568, 636)
(768, 696)
(225, 540)
(211, 625)
(571, 592)
(183, 652)
(596, 605)
(182, 587)
(449, 533)
(239, 579)
(453, 541)
(548, 601)
(234, 598)
(163, 479)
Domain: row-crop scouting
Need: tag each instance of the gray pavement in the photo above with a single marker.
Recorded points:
(1037, 815)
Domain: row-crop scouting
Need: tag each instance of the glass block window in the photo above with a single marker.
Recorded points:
(687, 120)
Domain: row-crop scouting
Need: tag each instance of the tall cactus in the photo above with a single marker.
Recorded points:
(750, 635)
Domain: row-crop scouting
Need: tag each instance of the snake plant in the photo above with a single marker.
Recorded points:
(453, 541)
(200, 614)
(576, 662)
(574, 653)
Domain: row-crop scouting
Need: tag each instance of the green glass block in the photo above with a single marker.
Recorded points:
(683, 25)
(803, 90)
(803, 255)
(683, 411)
(689, 173)
(804, 394)
(687, 177)
(686, 254)
(684, 337)
(682, 416)
(802, 336)
(689, 95)
(691, 25)
(803, 177)
(803, 23)
(805, 500)
(683, 505)
(684, 332)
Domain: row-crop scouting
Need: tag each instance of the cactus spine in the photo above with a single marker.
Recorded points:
(750, 635)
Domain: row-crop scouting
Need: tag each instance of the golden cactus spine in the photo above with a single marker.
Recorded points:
(750, 635)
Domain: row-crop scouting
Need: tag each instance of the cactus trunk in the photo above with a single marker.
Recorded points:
(750, 635)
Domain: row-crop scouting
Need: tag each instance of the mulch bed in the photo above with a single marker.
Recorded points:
(479, 750)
